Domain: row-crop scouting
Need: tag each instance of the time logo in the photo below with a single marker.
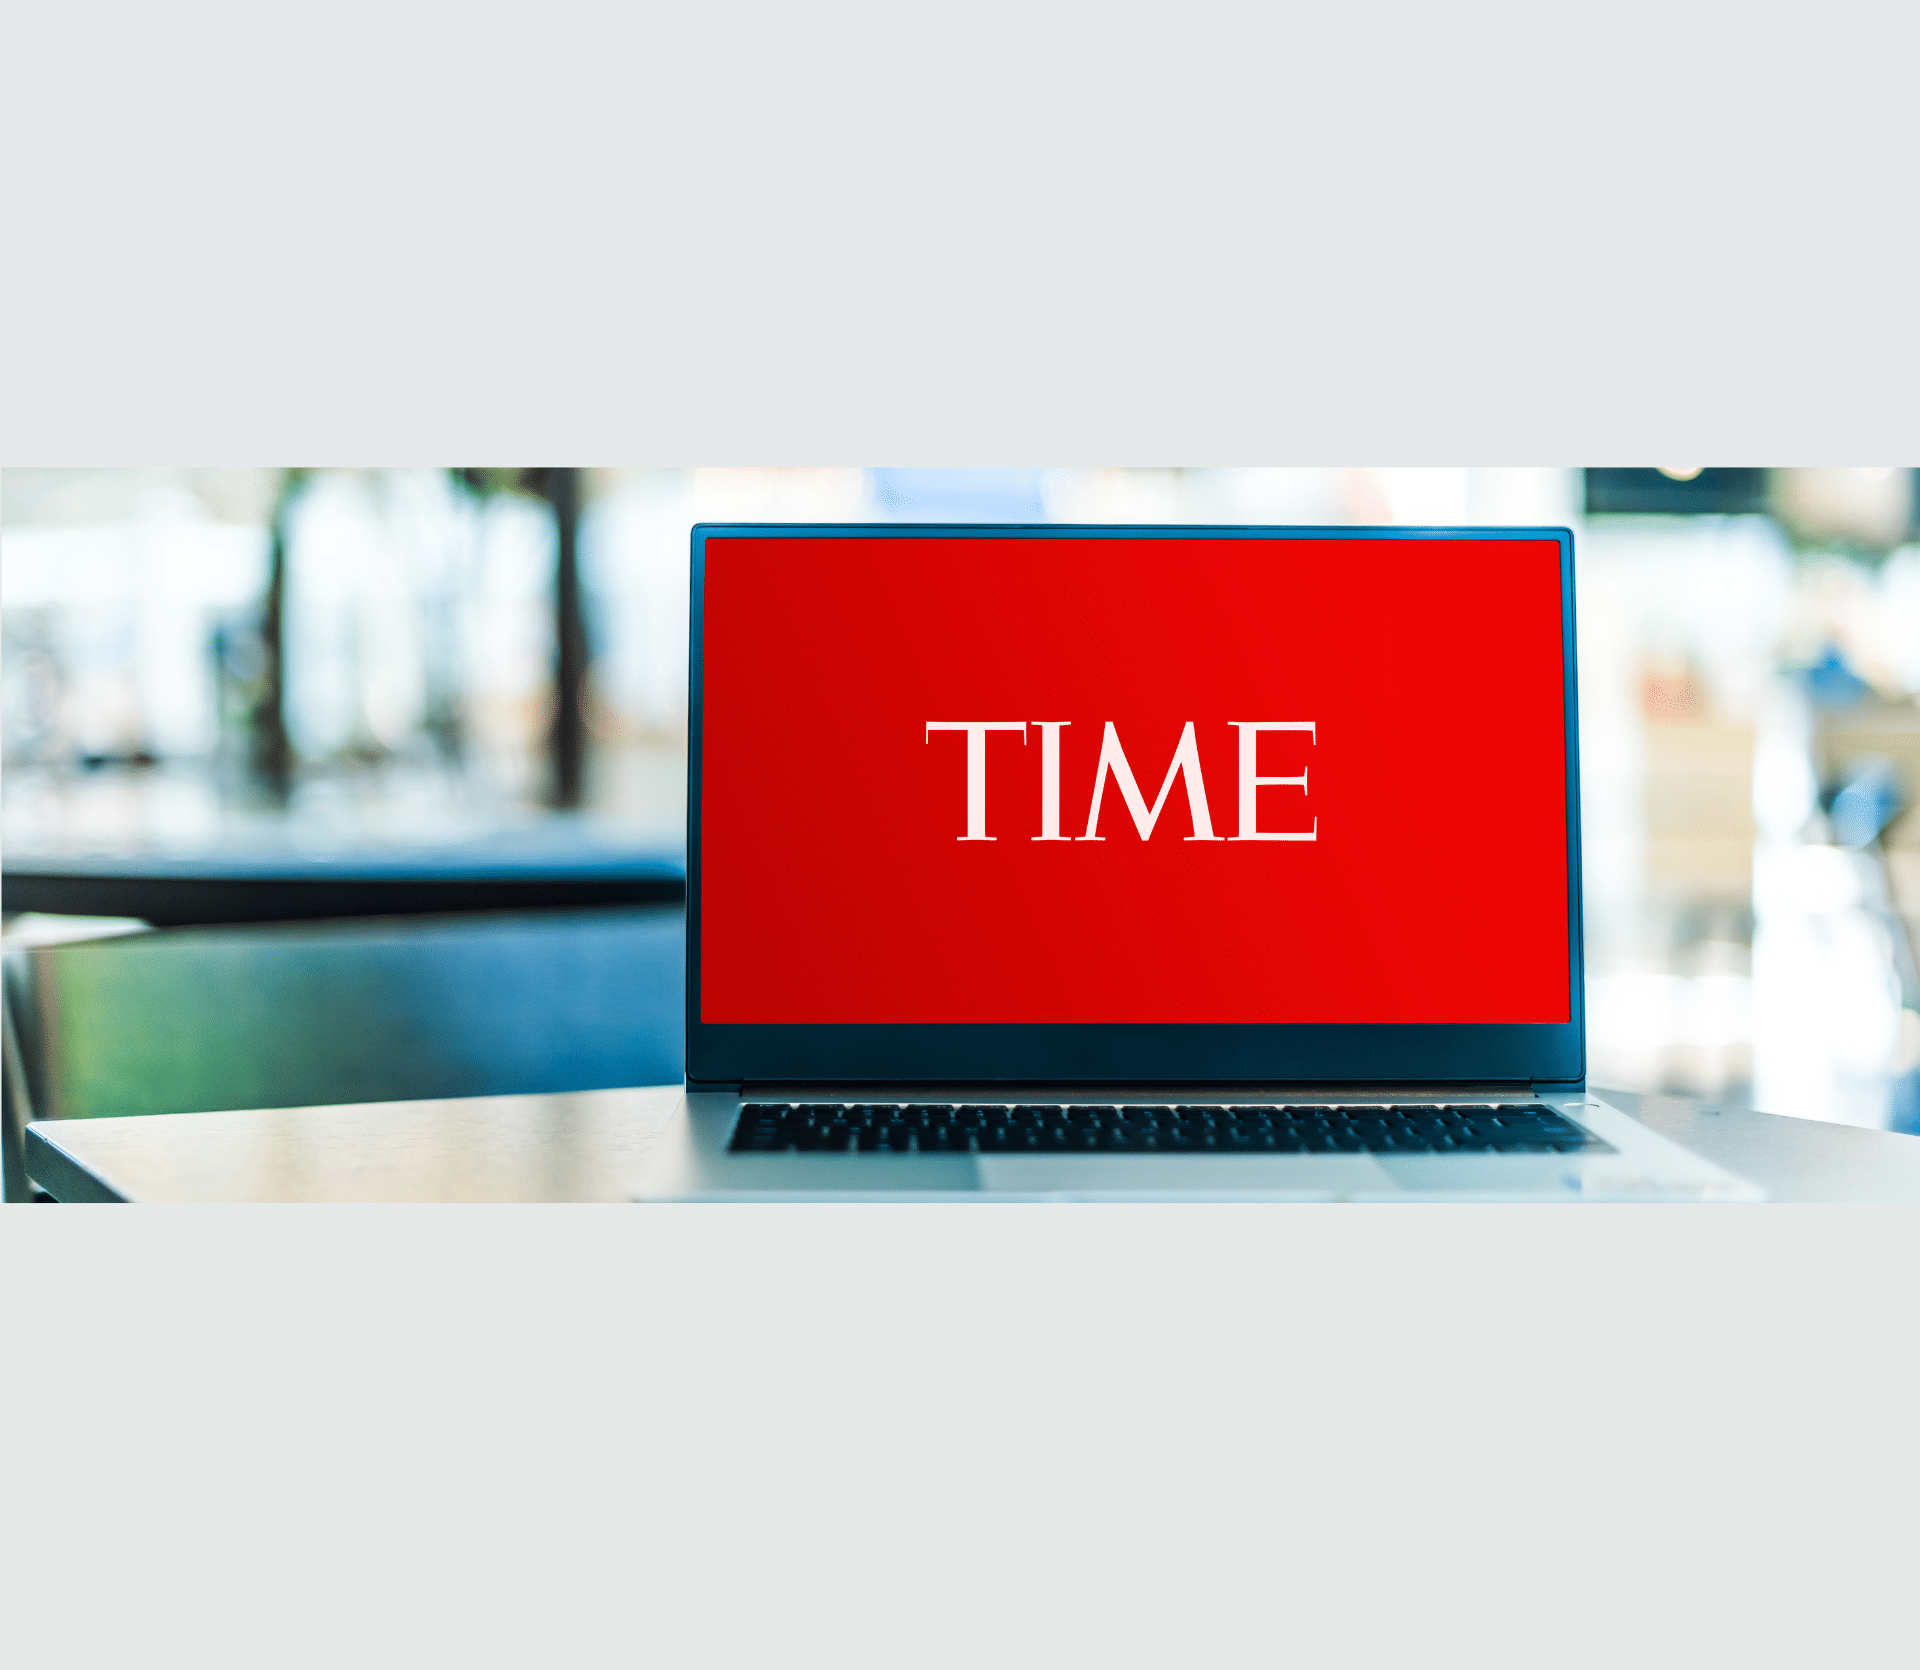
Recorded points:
(1114, 768)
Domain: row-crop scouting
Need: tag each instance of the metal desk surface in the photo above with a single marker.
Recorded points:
(587, 1146)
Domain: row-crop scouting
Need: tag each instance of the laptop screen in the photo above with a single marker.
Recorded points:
(993, 778)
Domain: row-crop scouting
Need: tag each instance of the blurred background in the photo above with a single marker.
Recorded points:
(312, 672)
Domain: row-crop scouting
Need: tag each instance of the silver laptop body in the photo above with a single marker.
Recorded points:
(816, 1110)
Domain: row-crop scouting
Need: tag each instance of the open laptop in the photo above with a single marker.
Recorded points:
(1139, 863)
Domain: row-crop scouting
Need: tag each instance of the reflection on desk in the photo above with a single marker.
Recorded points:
(588, 1146)
(580, 1146)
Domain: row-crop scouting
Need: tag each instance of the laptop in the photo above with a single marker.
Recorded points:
(1139, 863)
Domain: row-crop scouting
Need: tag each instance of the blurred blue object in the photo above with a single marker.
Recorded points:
(1870, 800)
(300, 1014)
(1832, 683)
(1904, 1113)
(961, 495)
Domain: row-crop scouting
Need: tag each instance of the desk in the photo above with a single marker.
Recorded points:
(588, 1145)
(554, 867)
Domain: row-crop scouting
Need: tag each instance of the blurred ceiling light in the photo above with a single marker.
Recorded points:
(1681, 472)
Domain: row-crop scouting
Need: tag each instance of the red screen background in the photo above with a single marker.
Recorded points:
(834, 890)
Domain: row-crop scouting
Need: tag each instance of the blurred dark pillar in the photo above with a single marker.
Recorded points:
(570, 641)
(272, 752)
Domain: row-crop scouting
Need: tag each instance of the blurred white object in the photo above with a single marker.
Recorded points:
(1826, 987)
(1873, 506)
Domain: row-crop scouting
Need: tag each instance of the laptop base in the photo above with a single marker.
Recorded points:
(1626, 1162)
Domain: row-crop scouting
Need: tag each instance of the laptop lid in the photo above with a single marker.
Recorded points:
(1194, 805)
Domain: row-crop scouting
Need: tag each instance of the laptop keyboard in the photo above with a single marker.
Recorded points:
(1155, 1128)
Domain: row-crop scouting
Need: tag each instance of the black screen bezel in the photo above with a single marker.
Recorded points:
(1190, 1054)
